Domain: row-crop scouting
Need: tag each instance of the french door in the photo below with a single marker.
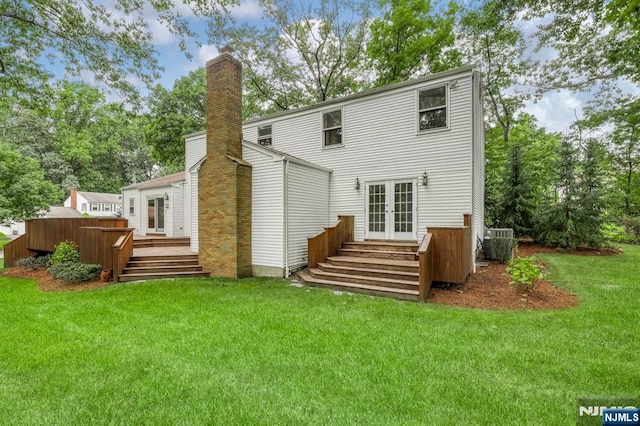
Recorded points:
(391, 210)
(155, 209)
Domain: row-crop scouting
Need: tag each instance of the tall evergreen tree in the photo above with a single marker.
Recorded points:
(517, 205)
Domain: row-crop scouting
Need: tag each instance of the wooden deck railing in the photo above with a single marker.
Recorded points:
(122, 252)
(425, 261)
(16, 249)
(95, 244)
(327, 242)
(452, 254)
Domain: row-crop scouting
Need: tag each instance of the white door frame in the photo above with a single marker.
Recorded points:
(158, 212)
(382, 199)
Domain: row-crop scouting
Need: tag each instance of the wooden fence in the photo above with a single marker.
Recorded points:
(327, 242)
(452, 254)
(42, 235)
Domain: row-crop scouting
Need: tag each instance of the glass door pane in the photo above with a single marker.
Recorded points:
(151, 213)
(377, 208)
(160, 214)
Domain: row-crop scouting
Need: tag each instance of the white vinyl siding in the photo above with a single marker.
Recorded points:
(478, 159)
(175, 212)
(392, 151)
(308, 210)
(193, 204)
(266, 208)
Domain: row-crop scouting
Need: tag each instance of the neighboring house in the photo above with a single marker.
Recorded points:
(94, 203)
(399, 159)
(61, 212)
(156, 206)
(12, 228)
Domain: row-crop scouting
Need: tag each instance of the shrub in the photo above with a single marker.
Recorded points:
(75, 272)
(34, 262)
(632, 225)
(524, 272)
(65, 252)
(502, 249)
(616, 233)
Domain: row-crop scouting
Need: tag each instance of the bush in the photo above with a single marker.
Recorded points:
(524, 272)
(65, 252)
(616, 233)
(75, 272)
(34, 262)
(632, 226)
(502, 249)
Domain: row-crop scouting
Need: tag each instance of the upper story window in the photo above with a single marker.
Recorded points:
(432, 108)
(84, 207)
(265, 135)
(332, 128)
(94, 207)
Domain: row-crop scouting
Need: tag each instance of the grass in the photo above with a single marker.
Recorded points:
(259, 351)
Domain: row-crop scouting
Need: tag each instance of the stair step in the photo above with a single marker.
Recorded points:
(397, 293)
(370, 272)
(379, 254)
(359, 279)
(160, 275)
(161, 263)
(161, 258)
(371, 263)
(403, 247)
(165, 268)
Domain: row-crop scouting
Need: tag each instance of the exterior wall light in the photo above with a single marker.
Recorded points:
(357, 183)
(166, 196)
(425, 179)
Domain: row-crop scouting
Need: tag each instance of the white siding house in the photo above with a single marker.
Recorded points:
(399, 159)
(403, 157)
(97, 204)
(156, 206)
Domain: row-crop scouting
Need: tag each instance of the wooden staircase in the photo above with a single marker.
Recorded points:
(158, 260)
(379, 268)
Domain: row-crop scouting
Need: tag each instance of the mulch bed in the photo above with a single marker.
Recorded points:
(488, 288)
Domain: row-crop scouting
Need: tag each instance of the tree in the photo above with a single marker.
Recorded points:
(111, 41)
(518, 198)
(302, 52)
(410, 39)
(576, 218)
(173, 114)
(24, 191)
(489, 37)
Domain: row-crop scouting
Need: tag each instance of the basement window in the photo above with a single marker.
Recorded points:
(332, 128)
(432, 108)
(265, 135)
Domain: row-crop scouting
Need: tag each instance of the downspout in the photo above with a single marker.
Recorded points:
(285, 216)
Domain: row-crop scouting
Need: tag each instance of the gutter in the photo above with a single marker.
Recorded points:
(285, 216)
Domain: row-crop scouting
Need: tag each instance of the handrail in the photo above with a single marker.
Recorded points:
(16, 249)
(425, 262)
(327, 242)
(122, 252)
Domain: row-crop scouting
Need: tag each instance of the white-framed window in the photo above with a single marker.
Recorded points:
(107, 207)
(265, 135)
(132, 206)
(433, 108)
(332, 128)
(94, 207)
(84, 207)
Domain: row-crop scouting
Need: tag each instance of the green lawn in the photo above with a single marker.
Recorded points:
(260, 351)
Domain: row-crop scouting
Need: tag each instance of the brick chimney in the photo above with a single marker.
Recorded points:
(74, 198)
(224, 180)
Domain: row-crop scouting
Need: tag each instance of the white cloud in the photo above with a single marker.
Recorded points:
(205, 52)
(556, 110)
(247, 10)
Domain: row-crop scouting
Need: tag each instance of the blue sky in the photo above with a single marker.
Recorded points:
(555, 110)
